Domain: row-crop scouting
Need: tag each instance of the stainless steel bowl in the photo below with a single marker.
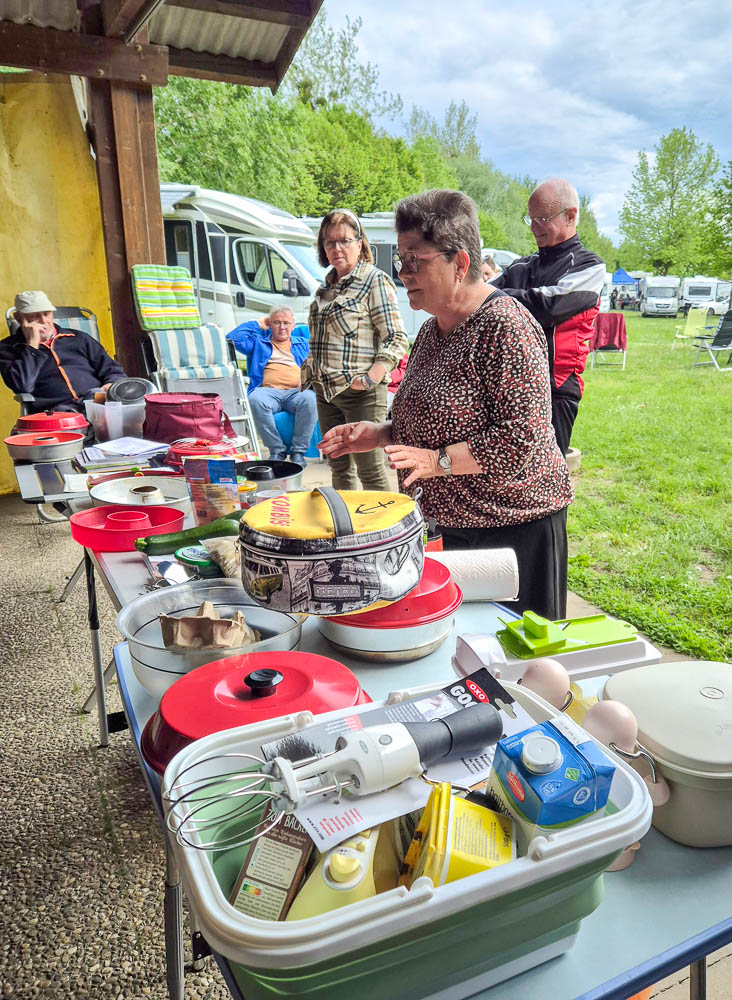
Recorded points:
(387, 645)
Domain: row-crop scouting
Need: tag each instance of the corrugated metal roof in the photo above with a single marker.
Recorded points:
(190, 30)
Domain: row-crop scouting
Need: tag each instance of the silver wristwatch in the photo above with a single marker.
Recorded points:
(366, 381)
(444, 461)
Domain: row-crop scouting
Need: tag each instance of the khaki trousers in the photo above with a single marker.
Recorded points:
(345, 408)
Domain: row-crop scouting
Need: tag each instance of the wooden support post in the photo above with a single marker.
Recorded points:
(129, 193)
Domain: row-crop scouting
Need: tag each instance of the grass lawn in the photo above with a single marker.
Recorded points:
(650, 531)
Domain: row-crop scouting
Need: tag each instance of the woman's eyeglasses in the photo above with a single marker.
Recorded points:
(409, 261)
(332, 244)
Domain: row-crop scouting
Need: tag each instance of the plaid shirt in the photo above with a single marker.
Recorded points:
(360, 325)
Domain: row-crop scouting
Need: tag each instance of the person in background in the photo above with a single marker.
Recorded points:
(357, 337)
(614, 299)
(275, 350)
(489, 269)
(560, 285)
(471, 422)
(61, 368)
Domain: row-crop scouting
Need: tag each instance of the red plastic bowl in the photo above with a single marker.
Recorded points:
(435, 597)
(90, 527)
(56, 420)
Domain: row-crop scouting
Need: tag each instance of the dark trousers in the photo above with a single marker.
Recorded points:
(345, 408)
(564, 414)
(541, 553)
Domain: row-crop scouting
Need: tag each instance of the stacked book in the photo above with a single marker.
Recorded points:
(124, 453)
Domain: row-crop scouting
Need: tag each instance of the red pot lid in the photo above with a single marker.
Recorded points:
(52, 420)
(436, 596)
(201, 447)
(240, 690)
(45, 438)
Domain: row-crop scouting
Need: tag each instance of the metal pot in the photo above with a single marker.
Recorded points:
(51, 447)
(51, 421)
(171, 491)
(283, 476)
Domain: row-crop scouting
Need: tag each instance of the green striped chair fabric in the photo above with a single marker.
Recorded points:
(164, 297)
(196, 353)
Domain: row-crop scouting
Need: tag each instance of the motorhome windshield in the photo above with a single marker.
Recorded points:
(662, 292)
(308, 257)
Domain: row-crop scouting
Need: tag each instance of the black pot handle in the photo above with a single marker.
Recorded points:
(338, 510)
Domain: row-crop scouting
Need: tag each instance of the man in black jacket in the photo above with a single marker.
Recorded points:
(560, 286)
(60, 367)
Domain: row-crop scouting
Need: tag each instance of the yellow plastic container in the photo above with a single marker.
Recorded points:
(456, 838)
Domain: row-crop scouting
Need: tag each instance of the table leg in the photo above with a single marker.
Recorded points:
(108, 675)
(173, 910)
(74, 579)
(91, 594)
(698, 979)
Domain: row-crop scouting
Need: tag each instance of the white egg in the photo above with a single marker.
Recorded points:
(548, 679)
(612, 722)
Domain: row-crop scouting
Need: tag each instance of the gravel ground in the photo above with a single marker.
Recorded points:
(81, 890)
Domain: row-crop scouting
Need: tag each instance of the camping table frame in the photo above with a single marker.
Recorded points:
(669, 910)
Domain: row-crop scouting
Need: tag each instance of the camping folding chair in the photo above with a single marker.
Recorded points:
(609, 339)
(70, 318)
(694, 326)
(716, 345)
(184, 355)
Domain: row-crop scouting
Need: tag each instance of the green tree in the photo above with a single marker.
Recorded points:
(665, 210)
(327, 71)
(716, 244)
(591, 236)
(456, 135)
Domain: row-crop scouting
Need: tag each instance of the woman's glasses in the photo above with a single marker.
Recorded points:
(409, 261)
(332, 244)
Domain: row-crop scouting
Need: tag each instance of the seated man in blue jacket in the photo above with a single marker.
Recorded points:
(275, 350)
(60, 367)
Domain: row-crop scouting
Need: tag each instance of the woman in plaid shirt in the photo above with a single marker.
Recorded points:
(357, 337)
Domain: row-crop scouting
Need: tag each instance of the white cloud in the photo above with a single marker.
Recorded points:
(568, 90)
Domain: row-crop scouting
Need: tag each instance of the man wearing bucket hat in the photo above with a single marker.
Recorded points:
(60, 367)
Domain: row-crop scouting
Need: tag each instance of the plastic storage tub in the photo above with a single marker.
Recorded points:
(421, 942)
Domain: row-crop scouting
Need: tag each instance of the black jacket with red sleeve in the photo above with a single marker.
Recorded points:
(560, 286)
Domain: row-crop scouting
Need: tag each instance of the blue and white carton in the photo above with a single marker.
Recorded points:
(551, 776)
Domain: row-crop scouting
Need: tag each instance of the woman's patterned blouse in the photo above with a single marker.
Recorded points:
(486, 383)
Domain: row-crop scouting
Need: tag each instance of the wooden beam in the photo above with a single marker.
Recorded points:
(123, 132)
(295, 13)
(291, 45)
(96, 57)
(207, 66)
(119, 15)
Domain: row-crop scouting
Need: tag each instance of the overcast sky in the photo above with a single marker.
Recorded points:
(572, 88)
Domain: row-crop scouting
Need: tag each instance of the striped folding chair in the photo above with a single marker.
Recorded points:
(181, 353)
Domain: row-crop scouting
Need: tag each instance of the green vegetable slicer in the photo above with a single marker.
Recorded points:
(531, 635)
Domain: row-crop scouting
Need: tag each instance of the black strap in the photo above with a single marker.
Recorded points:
(338, 510)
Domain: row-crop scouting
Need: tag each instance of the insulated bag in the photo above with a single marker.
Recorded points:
(331, 552)
(170, 416)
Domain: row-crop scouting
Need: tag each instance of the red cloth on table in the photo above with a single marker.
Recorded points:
(609, 331)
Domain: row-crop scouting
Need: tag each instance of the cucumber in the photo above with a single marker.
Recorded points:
(160, 545)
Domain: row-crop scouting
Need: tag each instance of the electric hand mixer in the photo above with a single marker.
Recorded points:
(364, 762)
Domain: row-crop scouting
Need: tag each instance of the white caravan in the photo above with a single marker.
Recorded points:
(700, 291)
(607, 286)
(659, 295)
(244, 256)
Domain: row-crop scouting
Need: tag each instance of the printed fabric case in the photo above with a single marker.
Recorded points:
(331, 552)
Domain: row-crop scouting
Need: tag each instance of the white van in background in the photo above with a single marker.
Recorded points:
(720, 304)
(607, 286)
(659, 295)
(244, 256)
(699, 291)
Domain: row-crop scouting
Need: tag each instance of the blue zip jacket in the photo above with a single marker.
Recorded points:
(250, 339)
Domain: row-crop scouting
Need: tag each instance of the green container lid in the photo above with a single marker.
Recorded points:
(199, 558)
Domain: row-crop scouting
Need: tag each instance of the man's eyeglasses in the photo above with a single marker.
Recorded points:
(409, 261)
(529, 219)
(332, 244)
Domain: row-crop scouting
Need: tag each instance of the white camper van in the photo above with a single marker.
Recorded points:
(607, 286)
(244, 255)
(699, 291)
(659, 296)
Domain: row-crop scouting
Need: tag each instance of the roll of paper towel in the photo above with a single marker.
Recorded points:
(482, 574)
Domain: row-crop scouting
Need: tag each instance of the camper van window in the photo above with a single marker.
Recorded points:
(308, 257)
(383, 254)
(178, 245)
(204, 264)
(701, 291)
(278, 266)
(253, 262)
(218, 253)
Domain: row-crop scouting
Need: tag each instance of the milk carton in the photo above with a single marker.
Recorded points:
(551, 776)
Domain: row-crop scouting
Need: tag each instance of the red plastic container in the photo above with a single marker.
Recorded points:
(239, 690)
(191, 448)
(51, 420)
(93, 530)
